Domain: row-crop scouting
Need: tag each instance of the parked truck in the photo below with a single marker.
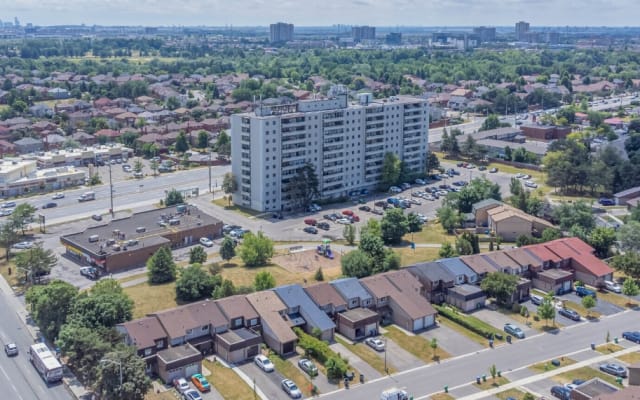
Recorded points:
(394, 394)
(45, 362)
(87, 196)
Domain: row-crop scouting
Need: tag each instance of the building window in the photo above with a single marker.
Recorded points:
(148, 352)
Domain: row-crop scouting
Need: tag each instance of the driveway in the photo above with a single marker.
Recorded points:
(356, 362)
(498, 320)
(451, 341)
(268, 382)
(603, 307)
(541, 387)
(320, 381)
(398, 357)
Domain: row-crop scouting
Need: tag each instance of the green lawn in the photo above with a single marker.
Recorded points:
(463, 331)
(608, 348)
(416, 345)
(409, 256)
(513, 393)
(221, 202)
(289, 371)
(491, 383)
(547, 366)
(368, 355)
(430, 233)
(584, 373)
(227, 382)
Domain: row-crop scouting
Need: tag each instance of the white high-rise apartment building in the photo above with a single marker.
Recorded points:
(346, 143)
(280, 32)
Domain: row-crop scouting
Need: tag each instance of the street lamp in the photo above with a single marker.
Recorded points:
(111, 192)
(118, 363)
(385, 356)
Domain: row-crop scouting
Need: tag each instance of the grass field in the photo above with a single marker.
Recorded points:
(228, 383)
(149, 298)
(630, 358)
(539, 325)
(168, 395)
(463, 331)
(416, 345)
(584, 373)
(442, 396)
(430, 233)
(581, 310)
(511, 393)
(491, 383)
(367, 354)
(617, 299)
(608, 348)
(221, 202)
(547, 366)
(409, 256)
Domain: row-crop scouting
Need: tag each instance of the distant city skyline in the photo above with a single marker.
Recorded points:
(326, 13)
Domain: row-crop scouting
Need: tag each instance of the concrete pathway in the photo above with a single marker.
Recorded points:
(355, 361)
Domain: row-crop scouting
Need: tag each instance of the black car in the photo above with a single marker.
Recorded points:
(561, 392)
(96, 217)
(310, 229)
(49, 205)
(565, 312)
(323, 225)
(364, 208)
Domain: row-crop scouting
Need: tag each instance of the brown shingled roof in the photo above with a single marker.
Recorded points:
(144, 332)
(324, 294)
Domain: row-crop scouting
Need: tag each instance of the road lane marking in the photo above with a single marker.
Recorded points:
(11, 383)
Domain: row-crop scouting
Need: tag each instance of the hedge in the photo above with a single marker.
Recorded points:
(473, 324)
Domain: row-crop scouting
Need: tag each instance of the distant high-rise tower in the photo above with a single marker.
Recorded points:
(280, 32)
(485, 34)
(361, 33)
(522, 28)
(394, 38)
(16, 22)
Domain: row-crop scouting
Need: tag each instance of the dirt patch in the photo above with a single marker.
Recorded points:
(308, 261)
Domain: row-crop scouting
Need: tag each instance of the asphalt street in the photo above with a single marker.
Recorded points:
(429, 379)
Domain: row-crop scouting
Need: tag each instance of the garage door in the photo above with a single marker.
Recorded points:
(253, 351)
(192, 369)
(418, 324)
(429, 321)
(566, 286)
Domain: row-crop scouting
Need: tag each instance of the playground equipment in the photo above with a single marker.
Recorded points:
(325, 250)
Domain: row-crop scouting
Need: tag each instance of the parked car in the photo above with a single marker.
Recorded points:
(308, 366)
(8, 204)
(514, 330)
(606, 202)
(493, 170)
(57, 196)
(11, 349)
(344, 221)
(530, 184)
(377, 212)
(583, 291)
(291, 389)
(561, 392)
(310, 229)
(405, 186)
(571, 314)
(633, 336)
(23, 245)
(347, 212)
(329, 217)
(380, 203)
(263, 363)
(181, 385)
(191, 395)
(323, 225)
(89, 272)
(206, 242)
(201, 382)
(420, 182)
(96, 217)
(49, 205)
(535, 299)
(614, 369)
(375, 343)
(482, 168)
(612, 286)
(395, 189)
(364, 208)
(310, 221)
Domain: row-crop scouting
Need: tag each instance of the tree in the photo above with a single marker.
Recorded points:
(197, 255)
(154, 165)
(447, 251)
(135, 382)
(35, 262)
(433, 163)
(203, 139)
(104, 306)
(528, 396)
(628, 263)
(195, 284)
(391, 262)
(83, 348)
(138, 166)
(373, 246)
(629, 288)
(349, 234)
(182, 144)
(50, 305)
(477, 190)
(550, 234)
(256, 249)
(601, 239)
(22, 216)
(223, 144)
(577, 213)
(463, 246)
(319, 276)
(434, 347)
(227, 249)
(225, 289)
(263, 281)
(524, 240)
(336, 368)
(356, 263)
(229, 184)
(161, 267)
(173, 197)
(414, 223)
(390, 171)
(629, 237)
(546, 309)
(493, 371)
(499, 285)
(588, 302)
(492, 122)
(303, 187)
(372, 227)
(449, 217)
(393, 226)
(8, 237)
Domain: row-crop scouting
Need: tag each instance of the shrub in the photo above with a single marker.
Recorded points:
(315, 347)
(471, 323)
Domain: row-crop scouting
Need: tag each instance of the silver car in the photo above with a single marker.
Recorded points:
(375, 343)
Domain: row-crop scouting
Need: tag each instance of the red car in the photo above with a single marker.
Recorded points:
(355, 218)
(310, 221)
(347, 212)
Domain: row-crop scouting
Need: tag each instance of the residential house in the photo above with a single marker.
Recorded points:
(242, 341)
(353, 292)
(466, 297)
(434, 278)
(623, 197)
(358, 323)
(84, 138)
(596, 388)
(503, 263)
(459, 98)
(275, 324)
(509, 223)
(479, 210)
(147, 336)
(479, 265)
(549, 258)
(558, 281)
(6, 148)
(460, 271)
(411, 287)
(28, 145)
(327, 298)
(588, 268)
(181, 361)
(300, 306)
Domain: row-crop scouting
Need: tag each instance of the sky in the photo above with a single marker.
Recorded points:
(324, 12)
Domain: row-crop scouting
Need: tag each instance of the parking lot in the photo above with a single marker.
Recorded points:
(451, 341)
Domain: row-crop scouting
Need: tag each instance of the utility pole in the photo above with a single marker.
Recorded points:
(111, 191)
(210, 187)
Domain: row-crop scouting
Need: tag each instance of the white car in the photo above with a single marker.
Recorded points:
(612, 286)
(344, 221)
(23, 245)
(395, 189)
(291, 389)
(420, 182)
(263, 363)
(206, 242)
(375, 343)
(181, 385)
(58, 196)
(531, 184)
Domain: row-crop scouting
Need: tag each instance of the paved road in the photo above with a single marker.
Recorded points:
(18, 378)
(435, 134)
(431, 378)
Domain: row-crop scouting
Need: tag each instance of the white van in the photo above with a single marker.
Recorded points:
(535, 299)
(394, 394)
(612, 286)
